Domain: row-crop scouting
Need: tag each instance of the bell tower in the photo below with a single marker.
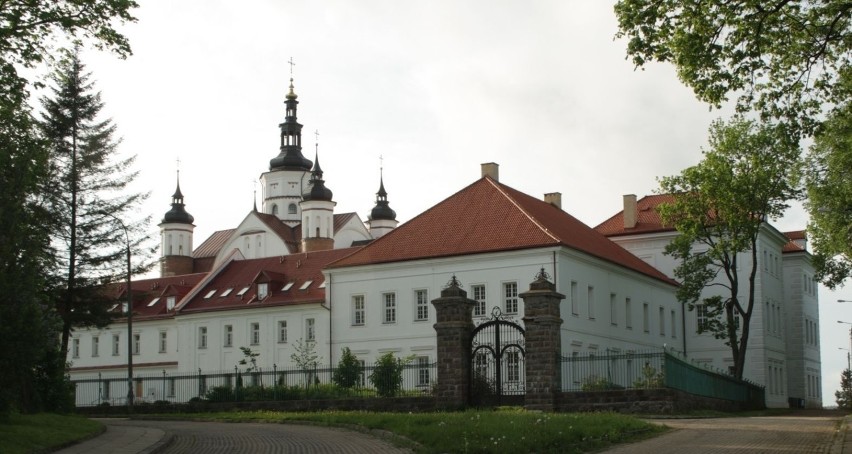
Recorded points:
(176, 237)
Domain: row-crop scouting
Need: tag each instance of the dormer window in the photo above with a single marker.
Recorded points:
(287, 286)
(262, 290)
(170, 303)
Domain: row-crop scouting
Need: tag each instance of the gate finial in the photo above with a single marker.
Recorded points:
(454, 282)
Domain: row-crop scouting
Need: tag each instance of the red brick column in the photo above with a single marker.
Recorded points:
(454, 325)
(543, 343)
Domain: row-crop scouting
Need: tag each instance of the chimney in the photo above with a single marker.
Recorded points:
(554, 198)
(631, 211)
(492, 170)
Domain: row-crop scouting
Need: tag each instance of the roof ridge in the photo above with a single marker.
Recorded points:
(499, 186)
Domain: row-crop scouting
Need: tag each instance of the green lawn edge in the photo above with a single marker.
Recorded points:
(45, 432)
(506, 430)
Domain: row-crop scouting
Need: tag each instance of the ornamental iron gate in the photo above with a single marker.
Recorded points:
(497, 361)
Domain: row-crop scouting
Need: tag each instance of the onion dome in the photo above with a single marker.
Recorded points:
(316, 187)
(290, 156)
(178, 214)
(382, 211)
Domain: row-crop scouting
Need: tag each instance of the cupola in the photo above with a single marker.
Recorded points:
(290, 156)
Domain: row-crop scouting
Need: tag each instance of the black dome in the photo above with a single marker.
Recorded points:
(178, 215)
(382, 212)
(293, 159)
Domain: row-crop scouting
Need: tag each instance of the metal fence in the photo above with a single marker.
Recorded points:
(653, 369)
(263, 383)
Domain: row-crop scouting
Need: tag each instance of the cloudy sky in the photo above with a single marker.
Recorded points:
(433, 88)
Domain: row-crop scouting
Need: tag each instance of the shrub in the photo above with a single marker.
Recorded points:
(387, 375)
(650, 378)
(595, 383)
(219, 394)
(348, 371)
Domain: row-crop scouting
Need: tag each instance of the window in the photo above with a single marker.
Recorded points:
(674, 324)
(153, 301)
(591, 302)
(575, 309)
(422, 370)
(358, 310)
(163, 341)
(291, 209)
(613, 311)
(116, 342)
(210, 294)
(255, 333)
(137, 344)
(306, 285)
(700, 317)
(242, 291)
(510, 292)
(389, 304)
(513, 366)
(287, 286)
(275, 209)
(105, 390)
(282, 331)
(479, 295)
(262, 290)
(310, 330)
(170, 303)
(628, 315)
(645, 322)
(171, 388)
(226, 292)
(229, 336)
(202, 337)
(422, 301)
(362, 377)
(95, 345)
(662, 321)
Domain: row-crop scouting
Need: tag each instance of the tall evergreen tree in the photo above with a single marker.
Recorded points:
(87, 196)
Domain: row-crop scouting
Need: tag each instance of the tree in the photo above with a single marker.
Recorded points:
(348, 371)
(787, 60)
(783, 58)
(829, 188)
(720, 207)
(305, 357)
(843, 396)
(29, 28)
(86, 196)
(387, 374)
(25, 324)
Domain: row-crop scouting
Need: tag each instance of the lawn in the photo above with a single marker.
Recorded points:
(505, 430)
(23, 434)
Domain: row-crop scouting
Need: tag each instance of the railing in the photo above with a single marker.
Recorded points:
(263, 383)
(653, 369)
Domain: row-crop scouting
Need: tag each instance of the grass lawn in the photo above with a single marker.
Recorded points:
(23, 434)
(505, 430)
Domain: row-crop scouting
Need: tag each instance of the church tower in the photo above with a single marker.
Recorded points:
(317, 214)
(382, 219)
(176, 237)
(288, 172)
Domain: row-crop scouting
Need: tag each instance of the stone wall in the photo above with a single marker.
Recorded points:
(643, 401)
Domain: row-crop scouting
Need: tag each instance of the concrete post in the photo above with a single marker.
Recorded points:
(453, 311)
(542, 360)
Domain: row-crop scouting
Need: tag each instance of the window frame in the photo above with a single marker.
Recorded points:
(389, 308)
(510, 298)
(480, 308)
(421, 305)
(359, 310)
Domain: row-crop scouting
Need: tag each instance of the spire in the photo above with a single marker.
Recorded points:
(316, 188)
(178, 214)
(290, 156)
(382, 210)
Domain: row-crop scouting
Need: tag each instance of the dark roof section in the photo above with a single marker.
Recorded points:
(211, 246)
(488, 216)
(178, 212)
(382, 210)
(145, 291)
(648, 218)
(295, 270)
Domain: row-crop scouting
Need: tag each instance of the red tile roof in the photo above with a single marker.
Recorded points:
(146, 290)
(239, 274)
(792, 245)
(648, 218)
(488, 216)
(211, 246)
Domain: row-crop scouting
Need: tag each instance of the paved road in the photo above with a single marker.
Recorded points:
(140, 436)
(783, 434)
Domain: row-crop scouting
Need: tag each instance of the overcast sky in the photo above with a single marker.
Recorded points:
(434, 88)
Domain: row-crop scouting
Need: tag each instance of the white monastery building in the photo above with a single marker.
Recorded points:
(297, 271)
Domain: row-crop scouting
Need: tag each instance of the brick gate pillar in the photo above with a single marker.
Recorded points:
(453, 311)
(543, 343)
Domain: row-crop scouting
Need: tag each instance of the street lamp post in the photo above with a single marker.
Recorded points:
(844, 301)
(850, 333)
(848, 359)
(129, 315)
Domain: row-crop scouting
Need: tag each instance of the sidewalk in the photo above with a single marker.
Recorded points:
(122, 439)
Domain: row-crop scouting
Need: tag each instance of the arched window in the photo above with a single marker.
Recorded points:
(291, 209)
(274, 209)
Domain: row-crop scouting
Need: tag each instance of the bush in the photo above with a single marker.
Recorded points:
(387, 375)
(650, 378)
(595, 383)
(348, 371)
(220, 394)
